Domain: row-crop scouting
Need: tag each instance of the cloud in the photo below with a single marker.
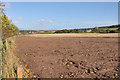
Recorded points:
(42, 23)
(45, 21)
(20, 18)
(10, 17)
(15, 20)
(7, 5)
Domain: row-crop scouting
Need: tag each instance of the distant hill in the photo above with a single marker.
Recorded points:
(103, 29)
(112, 26)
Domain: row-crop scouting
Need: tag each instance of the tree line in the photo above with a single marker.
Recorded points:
(108, 29)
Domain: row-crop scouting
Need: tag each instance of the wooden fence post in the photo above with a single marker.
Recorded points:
(9, 56)
(19, 71)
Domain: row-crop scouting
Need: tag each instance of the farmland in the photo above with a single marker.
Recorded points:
(109, 28)
(69, 55)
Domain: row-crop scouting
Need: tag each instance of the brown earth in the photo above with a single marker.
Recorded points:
(69, 57)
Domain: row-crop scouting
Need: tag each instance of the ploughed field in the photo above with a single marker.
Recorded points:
(69, 57)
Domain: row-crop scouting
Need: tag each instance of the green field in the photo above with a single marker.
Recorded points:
(109, 28)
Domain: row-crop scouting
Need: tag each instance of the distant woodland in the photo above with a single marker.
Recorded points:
(105, 29)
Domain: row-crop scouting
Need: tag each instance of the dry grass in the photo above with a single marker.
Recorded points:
(11, 63)
(76, 35)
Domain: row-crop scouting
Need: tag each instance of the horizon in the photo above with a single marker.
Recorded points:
(62, 15)
(74, 28)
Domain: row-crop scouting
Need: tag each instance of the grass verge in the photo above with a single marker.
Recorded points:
(11, 64)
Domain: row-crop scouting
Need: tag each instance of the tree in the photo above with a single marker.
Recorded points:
(95, 30)
(6, 31)
(118, 30)
(1, 8)
(8, 28)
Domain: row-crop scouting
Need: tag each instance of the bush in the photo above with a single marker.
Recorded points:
(112, 31)
(8, 28)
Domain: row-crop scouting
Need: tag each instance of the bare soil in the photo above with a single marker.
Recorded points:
(69, 57)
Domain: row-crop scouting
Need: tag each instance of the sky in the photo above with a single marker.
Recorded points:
(61, 15)
(60, 0)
